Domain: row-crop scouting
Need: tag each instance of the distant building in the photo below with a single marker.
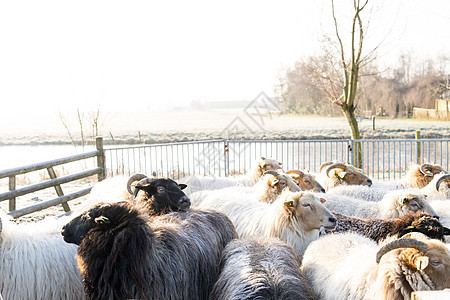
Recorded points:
(440, 112)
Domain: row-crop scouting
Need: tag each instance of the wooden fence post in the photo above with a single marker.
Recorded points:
(12, 186)
(100, 158)
(419, 149)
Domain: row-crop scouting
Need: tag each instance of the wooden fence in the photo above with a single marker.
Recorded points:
(55, 182)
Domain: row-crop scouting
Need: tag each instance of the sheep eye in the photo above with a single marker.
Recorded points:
(306, 204)
(160, 189)
(435, 262)
(282, 183)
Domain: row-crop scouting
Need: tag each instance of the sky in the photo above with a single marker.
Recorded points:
(125, 55)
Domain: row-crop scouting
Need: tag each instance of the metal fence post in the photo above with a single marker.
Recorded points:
(100, 158)
(226, 154)
(12, 186)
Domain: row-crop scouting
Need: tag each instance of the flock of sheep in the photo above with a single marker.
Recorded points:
(268, 234)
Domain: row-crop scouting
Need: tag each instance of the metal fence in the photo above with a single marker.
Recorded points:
(381, 159)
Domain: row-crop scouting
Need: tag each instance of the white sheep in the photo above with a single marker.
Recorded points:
(295, 218)
(350, 266)
(35, 262)
(268, 188)
(393, 205)
(198, 183)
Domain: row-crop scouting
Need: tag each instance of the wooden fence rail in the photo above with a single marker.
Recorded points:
(55, 182)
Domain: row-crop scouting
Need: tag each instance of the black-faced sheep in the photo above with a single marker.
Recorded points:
(350, 266)
(295, 218)
(419, 176)
(305, 181)
(161, 195)
(260, 268)
(338, 173)
(201, 183)
(393, 205)
(125, 253)
(35, 262)
(380, 229)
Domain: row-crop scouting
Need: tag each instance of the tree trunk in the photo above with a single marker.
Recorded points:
(349, 113)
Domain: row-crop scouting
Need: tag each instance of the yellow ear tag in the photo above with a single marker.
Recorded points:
(421, 262)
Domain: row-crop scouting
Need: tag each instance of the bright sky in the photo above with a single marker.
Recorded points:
(127, 55)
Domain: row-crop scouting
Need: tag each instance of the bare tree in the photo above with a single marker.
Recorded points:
(338, 70)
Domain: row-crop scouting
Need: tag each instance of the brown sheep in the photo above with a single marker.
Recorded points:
(339, 173)
(419, 176)
(306, 182)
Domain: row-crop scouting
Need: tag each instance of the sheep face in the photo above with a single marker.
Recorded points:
(307, 209)
(306, 182)
(101, 217)
(413, 203)
(279, 181)
(434, 262)
(428, 226)
(161, 195)
(267, 164)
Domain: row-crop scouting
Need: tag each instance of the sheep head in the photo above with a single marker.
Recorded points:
(161, 195)
(347, 174)
(101, 217)
(419, 176)
(417, 253)
(266, 164)
(279, 181)
(411, 202)
(426, 224)
(307, 209)
(306, 182)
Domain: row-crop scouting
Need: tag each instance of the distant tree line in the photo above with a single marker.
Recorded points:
(391, 92)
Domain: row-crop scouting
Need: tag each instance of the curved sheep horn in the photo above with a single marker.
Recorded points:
(442, 179)
(135, 177)
(334, 166)
(325, 164)
(401, 243)
(295, 172)
(271, 172)
(423, 168)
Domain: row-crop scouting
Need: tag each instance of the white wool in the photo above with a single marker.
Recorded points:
(36, 263)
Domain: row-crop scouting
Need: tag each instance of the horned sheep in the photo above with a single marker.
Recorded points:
(419, 176)
(295, 218)
(125, 253)
(201, 183)
(339, 173)
(305, 181)
(357, 268)
(260, 268)
(36, 263)
(438, 188)
(393, 205)
(380, 229)
(268, 189)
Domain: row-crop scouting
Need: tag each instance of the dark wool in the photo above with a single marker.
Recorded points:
(161, 195)
(131, 255)
(261, 268)
(379, 229)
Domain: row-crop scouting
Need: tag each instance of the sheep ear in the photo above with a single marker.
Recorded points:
(280, 163)
(182, 186)
(342, 174)
(410, 228)
(446, 231)
(421, 262)
(289, 204)
(102, 220)
(322, 200)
